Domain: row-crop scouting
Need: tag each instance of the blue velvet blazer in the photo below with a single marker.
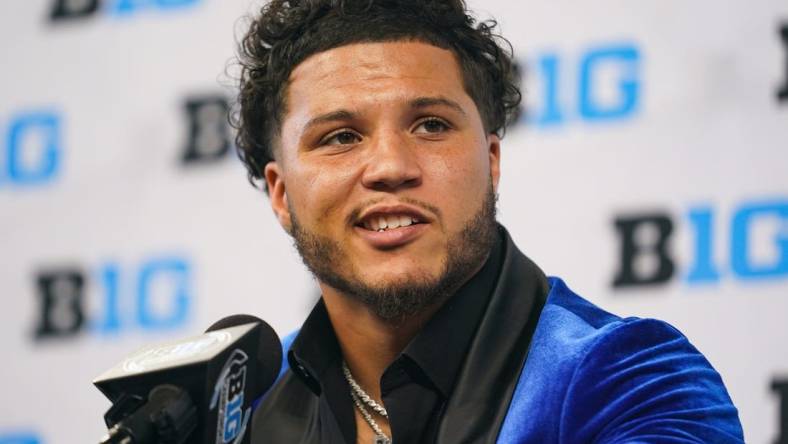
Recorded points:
(591, 376)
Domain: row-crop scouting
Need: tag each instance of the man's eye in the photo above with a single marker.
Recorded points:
(343, 138)
(432, 126)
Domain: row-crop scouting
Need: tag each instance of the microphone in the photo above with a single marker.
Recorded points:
(198, 390)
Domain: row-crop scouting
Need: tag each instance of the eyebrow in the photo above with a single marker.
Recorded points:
(341, 115)
(426, 102)
(344, 115)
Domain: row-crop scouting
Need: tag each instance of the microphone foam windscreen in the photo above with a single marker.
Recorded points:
(269, 350)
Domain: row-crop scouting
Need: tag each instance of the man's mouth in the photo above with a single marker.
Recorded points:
(381, 223)
(389, 226)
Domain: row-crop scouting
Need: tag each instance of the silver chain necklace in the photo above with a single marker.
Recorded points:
(360, 398)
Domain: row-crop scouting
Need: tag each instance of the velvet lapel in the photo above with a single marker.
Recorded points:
(480, 400)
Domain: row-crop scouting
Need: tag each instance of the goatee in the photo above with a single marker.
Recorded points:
(466, 253)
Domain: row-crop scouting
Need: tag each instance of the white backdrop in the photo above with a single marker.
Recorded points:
(659, 108)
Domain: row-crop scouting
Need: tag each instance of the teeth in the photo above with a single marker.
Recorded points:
(382, 223)
(392, 221)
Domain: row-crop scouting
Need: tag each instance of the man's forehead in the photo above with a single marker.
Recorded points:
(357, 70)
(376, 58)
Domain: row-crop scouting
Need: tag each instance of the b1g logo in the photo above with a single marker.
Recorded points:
(228, 397)
(32, 151)
(602, 84)
(19, 438)
(782, 93)
(209, 137)
(780, 387)
(65, 10)
(757, 235)
(154, 295)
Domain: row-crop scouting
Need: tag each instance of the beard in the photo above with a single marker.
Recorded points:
(466, 251)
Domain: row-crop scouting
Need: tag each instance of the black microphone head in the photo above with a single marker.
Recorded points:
(269, 350)
(224, 371)
(234, 321)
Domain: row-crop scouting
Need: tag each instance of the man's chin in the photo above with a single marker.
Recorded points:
(396, 287)
(393, 296)
(390, 275)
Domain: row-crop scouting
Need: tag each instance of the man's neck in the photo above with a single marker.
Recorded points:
(370, 344)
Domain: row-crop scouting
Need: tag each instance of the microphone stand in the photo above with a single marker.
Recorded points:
(168, 417)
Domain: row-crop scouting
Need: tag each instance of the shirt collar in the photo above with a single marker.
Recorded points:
(438, 349)
(315, 348)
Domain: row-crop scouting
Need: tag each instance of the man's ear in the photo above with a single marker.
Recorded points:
(277, 193)
(494, 146)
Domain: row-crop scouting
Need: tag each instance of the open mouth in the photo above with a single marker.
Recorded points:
(388, 227)
(381, 222)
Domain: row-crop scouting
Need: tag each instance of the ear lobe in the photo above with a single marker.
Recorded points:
(277, 193)
(494, 145)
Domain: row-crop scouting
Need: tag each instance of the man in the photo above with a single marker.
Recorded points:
(375, 126)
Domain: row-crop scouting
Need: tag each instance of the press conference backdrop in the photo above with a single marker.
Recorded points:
(649, 170)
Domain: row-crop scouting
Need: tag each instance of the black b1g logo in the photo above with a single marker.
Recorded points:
(780, 387)
(782, 93)
(209, 137)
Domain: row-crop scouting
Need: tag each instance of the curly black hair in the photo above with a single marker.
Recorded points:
(286, 32)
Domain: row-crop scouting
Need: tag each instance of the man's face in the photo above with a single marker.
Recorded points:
(384, 173)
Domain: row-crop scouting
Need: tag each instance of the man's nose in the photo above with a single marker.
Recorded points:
(392, 163)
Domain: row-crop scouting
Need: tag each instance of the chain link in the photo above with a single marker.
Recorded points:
(360, 397)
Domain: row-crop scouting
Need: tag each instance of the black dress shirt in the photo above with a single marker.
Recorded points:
(431, 391)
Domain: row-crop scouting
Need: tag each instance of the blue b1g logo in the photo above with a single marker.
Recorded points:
(19, 438)
(602, 84)
(155, 294)
(63, 10)
(755, 246)
(32, 151)
(228, 399)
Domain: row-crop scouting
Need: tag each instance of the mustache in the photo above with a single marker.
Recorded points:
(356, 212)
